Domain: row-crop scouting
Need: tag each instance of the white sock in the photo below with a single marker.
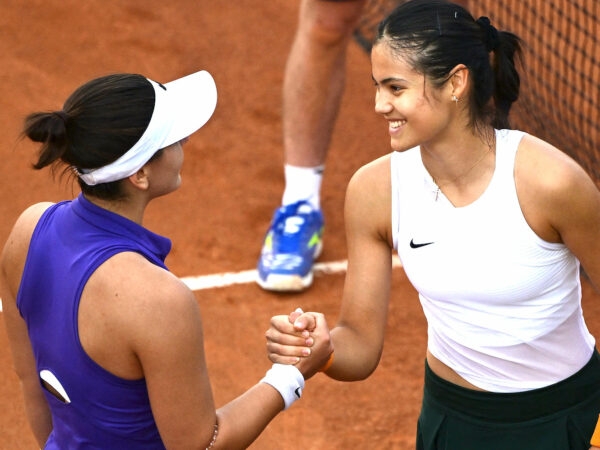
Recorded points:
(303, 183)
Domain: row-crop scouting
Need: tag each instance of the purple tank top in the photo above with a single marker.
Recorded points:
(70, 241)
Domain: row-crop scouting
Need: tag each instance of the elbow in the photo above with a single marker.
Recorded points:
(369, 367)
(357, 368)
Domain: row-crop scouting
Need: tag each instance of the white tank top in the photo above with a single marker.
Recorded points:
(503, 306)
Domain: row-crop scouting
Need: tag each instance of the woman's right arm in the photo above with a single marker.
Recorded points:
(165, 329)
(357, 338)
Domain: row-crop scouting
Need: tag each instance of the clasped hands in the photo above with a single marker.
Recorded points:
(299, 338)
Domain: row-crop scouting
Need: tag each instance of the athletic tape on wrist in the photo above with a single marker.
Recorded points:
(288, 381)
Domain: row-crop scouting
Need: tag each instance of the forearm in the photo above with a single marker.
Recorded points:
(243, 419)
(354, 359)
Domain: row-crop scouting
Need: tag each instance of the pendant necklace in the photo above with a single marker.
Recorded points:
(439, 186)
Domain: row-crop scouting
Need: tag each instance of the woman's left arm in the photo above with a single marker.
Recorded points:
(560, 201)
(11, 266)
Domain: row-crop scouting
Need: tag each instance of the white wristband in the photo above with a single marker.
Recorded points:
(288, 381)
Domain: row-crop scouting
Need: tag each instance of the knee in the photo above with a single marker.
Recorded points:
(329, 23)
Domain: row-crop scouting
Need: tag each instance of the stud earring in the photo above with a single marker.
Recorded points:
(454, 98)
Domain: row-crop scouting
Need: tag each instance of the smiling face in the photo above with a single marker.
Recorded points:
(413, 108)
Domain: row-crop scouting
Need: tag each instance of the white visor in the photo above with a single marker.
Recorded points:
(181, 108)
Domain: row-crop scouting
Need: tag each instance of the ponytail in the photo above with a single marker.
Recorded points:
(506, 77)
(50, 129)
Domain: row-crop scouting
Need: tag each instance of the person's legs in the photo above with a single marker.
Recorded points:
(313, 85)
(312, 91)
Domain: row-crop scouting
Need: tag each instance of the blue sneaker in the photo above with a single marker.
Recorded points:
(291, 246)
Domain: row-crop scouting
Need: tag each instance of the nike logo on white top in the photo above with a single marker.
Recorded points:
(413, 245)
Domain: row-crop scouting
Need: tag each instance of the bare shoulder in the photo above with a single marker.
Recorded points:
(132, 312)
(368, 200)
(540, 165)
(149, 290)
(553, 188)
(17, 244)
(376, 171)
(371, 182)
(26, 222)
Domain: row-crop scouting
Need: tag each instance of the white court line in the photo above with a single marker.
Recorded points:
(225, 279)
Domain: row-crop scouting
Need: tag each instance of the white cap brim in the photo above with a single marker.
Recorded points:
(181, 108)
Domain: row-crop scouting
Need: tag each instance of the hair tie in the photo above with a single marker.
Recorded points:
(62, 116)
(491, 37)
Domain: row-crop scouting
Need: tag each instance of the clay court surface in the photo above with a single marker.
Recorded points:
(232, 182)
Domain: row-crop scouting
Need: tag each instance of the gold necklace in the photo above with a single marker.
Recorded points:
(439, 186)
